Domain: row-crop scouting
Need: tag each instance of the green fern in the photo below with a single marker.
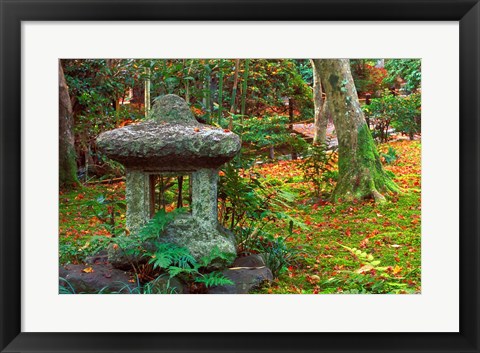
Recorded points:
(216, 254)
(156, 225)
(174, 271)
(168, 254)
(213, 279)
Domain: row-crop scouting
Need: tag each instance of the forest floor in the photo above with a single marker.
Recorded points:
(389, 234)
(340, 248)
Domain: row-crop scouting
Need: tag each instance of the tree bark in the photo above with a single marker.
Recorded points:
(67, 158)
(321, 121)
(146, 96)
(290, 125)
(234, 93)
(244, 88)
(361, 174)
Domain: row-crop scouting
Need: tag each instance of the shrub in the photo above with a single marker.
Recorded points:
(277, 254)
(317, 168)
(408, 121)
(264, 132)
(107, 209)
(410, 70)
(402, 113)
(246, 198)
(367, 77)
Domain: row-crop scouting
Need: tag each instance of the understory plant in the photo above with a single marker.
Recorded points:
(318, 168)
(108, 210)
(275, 251)
(399, 112)
(267, 131)
(369, 278)
(247, 198)
(253, 207)
(391, 156)
(168, 258)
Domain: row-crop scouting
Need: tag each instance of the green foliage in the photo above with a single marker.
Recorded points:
(77, 251)
(133, 245)
(95, 87)
(168, 255)
(370, 278)
(317, 168)
(305, 70)
(408, 118)
(391, 156)
(152, 229)
(409, 70)
(213, 279)
(175, 260)
(160, 285)
(367, 77)
(277, 254)
(247, 197)
(108, 210)
(214, 256)
(69, 251)
(400, 112)
(101, 92)
(264, 132)
(250, 204)
(274, 81)
(66, 287)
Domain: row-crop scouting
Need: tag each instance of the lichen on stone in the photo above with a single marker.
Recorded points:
(173, 140)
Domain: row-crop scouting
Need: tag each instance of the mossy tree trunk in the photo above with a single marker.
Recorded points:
(320, 122)
(361, 174)
(67, 162)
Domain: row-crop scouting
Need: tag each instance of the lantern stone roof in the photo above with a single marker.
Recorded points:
(171, 140)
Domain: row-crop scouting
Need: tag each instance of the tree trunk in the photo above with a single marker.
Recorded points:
(146, 96)
(361, 174)
(244, 87)
(67, 158)
(234, 93)
(321, 121)
(290, 125)
(220, 95)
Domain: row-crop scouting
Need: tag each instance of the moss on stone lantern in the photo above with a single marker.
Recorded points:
(173, 142)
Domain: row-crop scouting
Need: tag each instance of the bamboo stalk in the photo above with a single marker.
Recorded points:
(244, 87)
(147, 91)
(234, 94)
(220, 95)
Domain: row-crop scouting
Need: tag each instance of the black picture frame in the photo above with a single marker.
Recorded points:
(12, 12)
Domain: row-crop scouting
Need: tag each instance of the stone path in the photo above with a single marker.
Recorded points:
(307, 130)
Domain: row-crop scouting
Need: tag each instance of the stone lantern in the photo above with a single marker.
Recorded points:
(173, 145)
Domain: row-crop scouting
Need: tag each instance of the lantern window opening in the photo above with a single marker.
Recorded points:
(170, 191)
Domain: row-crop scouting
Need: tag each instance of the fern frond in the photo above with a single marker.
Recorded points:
(175, 271)
(214, 279)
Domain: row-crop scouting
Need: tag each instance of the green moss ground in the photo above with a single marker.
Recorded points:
(390, 232)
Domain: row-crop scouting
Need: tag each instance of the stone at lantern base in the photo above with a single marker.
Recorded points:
(201, 241)
(186, 232)
(200, 231)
